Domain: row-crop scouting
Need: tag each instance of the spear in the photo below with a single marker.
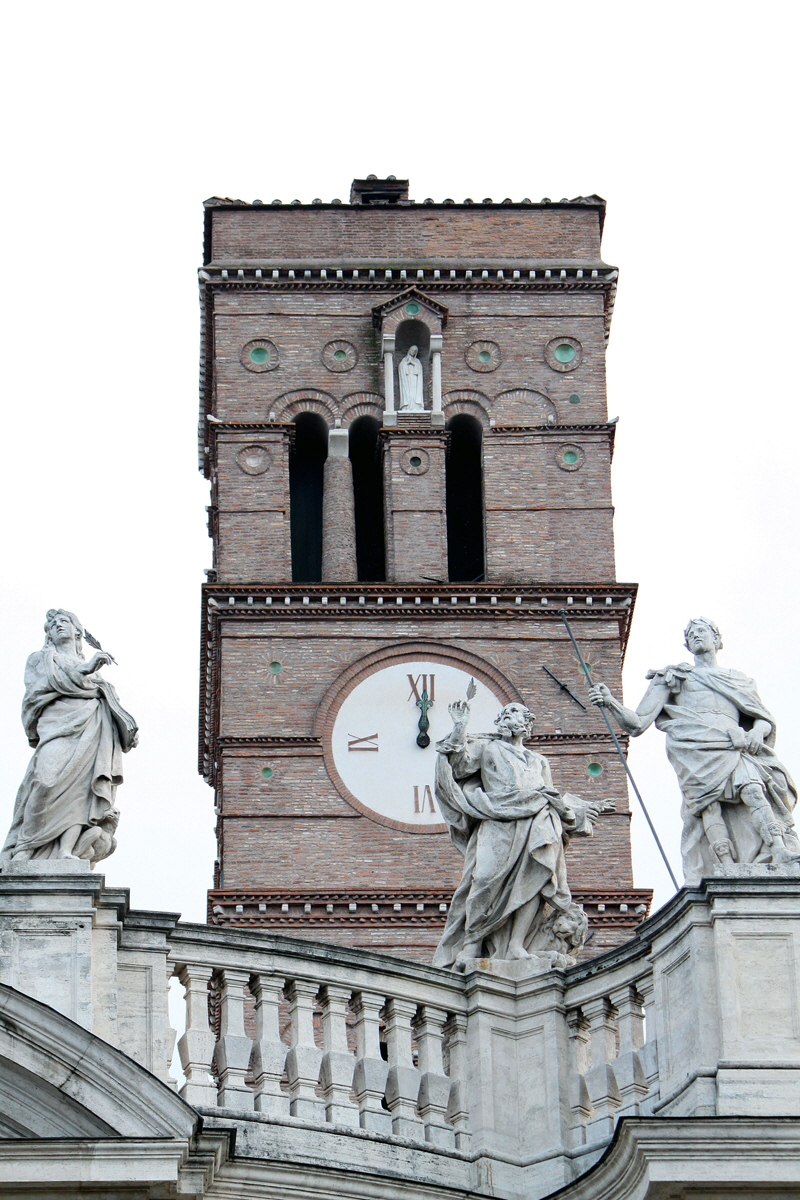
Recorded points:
(585, 668)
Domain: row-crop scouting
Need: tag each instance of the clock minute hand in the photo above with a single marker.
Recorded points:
(564, 687)
(424, 724)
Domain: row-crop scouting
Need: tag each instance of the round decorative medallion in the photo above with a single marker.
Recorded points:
(415, 462)
(340, 356)
(254, 460)
(563, 353)
(259, 355)
(570, 458)
(483, 356)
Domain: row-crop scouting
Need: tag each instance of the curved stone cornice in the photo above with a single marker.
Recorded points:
(85, 1086)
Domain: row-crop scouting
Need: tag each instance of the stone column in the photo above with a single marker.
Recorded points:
(437, 416)
(389, 413)
(338, 516)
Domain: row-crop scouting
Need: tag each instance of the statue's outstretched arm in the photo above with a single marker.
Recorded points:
(632, 722)
(459, 712)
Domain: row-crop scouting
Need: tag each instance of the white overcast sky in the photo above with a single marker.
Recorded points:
(121, 119)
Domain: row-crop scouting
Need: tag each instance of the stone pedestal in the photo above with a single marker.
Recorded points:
(726, 975)
(72, 943)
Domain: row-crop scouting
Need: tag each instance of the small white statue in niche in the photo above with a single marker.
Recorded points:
(410, 375)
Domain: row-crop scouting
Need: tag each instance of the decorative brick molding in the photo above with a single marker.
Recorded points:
(570, 457)
(474, 404)
(552, 359)
(254, 460)
(382, 603)
(483, 356)
(268, 348)
(414, 461)
(290, 404)
(339, 356)
(387, 316)
(315, 911)
(523, 405)
(361, 404)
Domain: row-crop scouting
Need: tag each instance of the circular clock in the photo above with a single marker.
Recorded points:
(381, 752)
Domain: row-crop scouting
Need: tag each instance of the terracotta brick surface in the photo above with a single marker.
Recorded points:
(294, 854)
(338, 234)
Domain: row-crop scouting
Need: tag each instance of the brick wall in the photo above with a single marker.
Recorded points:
(429, 233)
(294, 853)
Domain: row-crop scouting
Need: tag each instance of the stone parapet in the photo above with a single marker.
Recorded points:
(511, 1087)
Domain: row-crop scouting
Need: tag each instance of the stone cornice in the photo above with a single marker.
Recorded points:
(317, 910)
(410, 293)
(435, 604)
(444, 279)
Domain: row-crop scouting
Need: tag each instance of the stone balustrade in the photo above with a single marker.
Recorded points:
(342, 1038)
(614, 1069)
(510, 1087)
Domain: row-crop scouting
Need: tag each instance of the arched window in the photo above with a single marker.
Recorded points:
(305, 496)
(464, 484)
(368, 499)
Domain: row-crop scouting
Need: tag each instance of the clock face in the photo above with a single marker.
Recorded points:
(374, 745)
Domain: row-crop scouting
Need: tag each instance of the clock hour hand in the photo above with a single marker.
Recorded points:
(424, 724)
(564, 687)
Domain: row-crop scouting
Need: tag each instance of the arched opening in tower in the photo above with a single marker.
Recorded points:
(306, 464)
(464, 487)
(368, 500)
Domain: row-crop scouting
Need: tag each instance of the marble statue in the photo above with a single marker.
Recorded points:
(512, 826)
(79, 731)
(410, 374)
(737, 795)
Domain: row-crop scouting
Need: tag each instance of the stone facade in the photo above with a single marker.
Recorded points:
(666, 1069)
(304, 309)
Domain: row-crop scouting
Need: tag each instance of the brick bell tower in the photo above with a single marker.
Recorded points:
(405, 429)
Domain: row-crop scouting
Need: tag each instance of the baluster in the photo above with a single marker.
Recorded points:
(196, 1045)
(172, 1035)
(457, 1111)
(580, 1103)
(402, 1082)
(434, 1087)
(269, 1052)
(303, 1059)
(338, 1064)
(600, 1079)
(369, 1078)
(648, 1055)
(232, 1053)
(627, 1066)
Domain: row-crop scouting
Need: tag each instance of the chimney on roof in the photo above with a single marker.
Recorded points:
(378, 191)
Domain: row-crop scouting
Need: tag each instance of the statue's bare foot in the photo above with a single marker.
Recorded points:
(23, 856)
(517, 952)
(462, 962)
